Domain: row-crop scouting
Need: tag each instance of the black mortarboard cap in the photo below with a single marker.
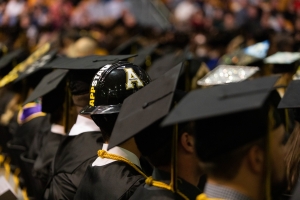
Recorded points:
(143, 53)
(291, 98)
(125, 47)
(227, 116)
(8, 58)
(145, 107)
(164, 64)
(40, 64)
(248, 56)
(21, 67)
(83, 69)
(49, 83)
(224, 74)
(87, 62)
(284, 61)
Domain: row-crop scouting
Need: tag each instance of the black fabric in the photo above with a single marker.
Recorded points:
(80, 81)
(116, 180)
(145, 107)
(26, 132)
(5, 97)
(52, 83)
(291, 98)
(154, 193)
(38, 140)
(42, 164)
(74, 155)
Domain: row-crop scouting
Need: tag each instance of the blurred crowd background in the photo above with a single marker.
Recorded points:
(210, 27)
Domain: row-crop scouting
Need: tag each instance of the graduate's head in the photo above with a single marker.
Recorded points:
(232, 147)
(79, 85)
(291, 102)
(238, 131)
(110, 86)
(155, 142)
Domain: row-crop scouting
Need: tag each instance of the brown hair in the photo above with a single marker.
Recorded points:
(293, 156)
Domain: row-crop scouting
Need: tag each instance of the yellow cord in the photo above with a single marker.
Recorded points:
(149, 180)
(204, 197)
(7, 168)
(16, 179)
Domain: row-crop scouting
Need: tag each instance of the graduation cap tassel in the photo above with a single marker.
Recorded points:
(174, 183)
(148, 62)
(174, 160)
(187, 76)
(66, 106)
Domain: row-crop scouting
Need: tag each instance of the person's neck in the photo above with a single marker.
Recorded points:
(185, 170)
(252, 188)
(131, 146)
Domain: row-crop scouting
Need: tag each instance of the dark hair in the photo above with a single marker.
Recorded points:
(106, 123)
(155, 143)
(227, 165)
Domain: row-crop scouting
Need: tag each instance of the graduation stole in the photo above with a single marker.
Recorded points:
(149, 180)
(29, 112)
(14, 73)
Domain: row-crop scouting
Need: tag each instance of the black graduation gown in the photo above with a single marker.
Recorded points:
(26, 132)
(116, 180)
(72, 158)
(38, 141)
(42, 164)
(154, 193)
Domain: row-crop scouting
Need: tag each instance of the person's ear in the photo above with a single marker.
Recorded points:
(256, 159)
(187, 142)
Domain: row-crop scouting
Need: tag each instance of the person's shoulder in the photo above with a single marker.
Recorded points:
(75, 152)
(152, 193)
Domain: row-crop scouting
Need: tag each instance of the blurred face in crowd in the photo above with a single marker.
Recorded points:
(277, 147)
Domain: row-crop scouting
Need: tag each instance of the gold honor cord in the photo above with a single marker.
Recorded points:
(14, 73)
(204, 197)
(149, 180)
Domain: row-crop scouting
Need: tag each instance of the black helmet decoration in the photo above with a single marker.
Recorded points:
(112, 84)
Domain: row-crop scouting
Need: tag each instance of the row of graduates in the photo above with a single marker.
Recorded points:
(212, 143)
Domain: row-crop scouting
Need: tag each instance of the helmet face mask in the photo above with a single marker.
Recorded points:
(112, 84)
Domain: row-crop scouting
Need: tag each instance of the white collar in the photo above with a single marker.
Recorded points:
(117, 151)
(58, 129)
(83, 124)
